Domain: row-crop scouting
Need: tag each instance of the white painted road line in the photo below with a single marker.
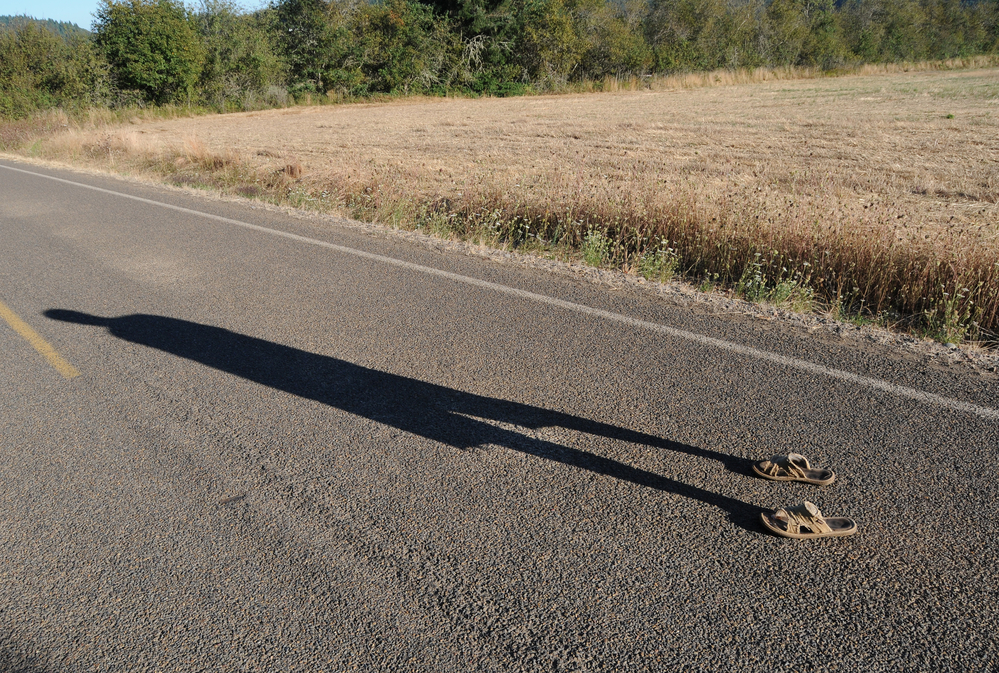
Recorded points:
(795, 363)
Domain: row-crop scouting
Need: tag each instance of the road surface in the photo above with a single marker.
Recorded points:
(235, 440)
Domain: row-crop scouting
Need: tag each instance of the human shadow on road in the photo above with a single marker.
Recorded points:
(445, 415)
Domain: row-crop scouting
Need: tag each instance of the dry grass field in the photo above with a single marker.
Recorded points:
(874, 195)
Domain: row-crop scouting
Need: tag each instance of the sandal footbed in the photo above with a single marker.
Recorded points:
(817, 476)
(841, 527)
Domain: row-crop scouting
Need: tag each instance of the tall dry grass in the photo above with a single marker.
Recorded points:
(859, 261)
(741, 76)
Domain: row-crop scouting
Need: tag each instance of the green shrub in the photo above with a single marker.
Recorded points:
(613, 43)
(157, 51)
(39, 69)
(240, 61)
(551, 48)
(314, 39)
(152, 47)
(405, 49)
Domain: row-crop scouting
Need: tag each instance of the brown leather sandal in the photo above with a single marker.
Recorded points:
(793, 467)
(806, 521)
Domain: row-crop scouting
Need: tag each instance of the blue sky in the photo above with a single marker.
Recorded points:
(79, 12)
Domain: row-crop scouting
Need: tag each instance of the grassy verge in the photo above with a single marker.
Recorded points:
(805, 254)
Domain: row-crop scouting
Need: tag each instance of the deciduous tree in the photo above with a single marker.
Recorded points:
(152, 47)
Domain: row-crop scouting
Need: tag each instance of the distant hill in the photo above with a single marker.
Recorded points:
(62, 28)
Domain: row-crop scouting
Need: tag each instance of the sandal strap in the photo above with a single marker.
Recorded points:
(771, 467)
(805, 515)
(793, 465)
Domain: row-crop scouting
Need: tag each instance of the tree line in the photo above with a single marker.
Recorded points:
(63, 28)
(216, 54)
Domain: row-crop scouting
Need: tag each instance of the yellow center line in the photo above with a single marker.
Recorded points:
(38, 343)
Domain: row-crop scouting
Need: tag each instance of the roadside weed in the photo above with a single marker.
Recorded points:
(752, 286)
(954, 316)
(660, 263)
(780, 287)
(596, 248)
(793, 293)
(709, 283)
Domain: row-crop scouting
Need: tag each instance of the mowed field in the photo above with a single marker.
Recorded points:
(877, 193)
(928, 142)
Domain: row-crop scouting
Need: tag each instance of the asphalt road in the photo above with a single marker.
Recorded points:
(280, 455)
